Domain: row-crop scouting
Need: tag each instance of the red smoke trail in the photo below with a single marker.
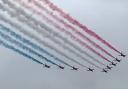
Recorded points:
(25, 32)
(75, 22)
(91, 49)
(96, 45)
(60, 28)
(73, 37)
(71, 27)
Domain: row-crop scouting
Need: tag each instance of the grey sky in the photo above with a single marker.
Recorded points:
(109, 18)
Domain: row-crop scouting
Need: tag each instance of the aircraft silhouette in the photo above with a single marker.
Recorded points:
(104, 70)
(114, 64)
(47, 66)
(117, 60)
(61, 67)
(108, 67)
(74, 68)
(89, 69)
(123, 55)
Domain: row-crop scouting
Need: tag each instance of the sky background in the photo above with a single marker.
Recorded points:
(108, 18)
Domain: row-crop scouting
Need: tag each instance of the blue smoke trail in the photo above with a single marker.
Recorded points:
(18, 36)
(56, 41)
(19, 51)
(26, 48)
(25, 32)
(60, 52)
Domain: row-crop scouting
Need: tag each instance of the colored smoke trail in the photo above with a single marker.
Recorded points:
(19, 51)
(31, 19)
(67, 47)
(8, 38)
(78, 24)
(59, 51)
(36, 3)
(19, 37)
(29, 34)
(61, 37)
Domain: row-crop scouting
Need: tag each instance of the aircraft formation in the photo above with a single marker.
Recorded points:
(44, 33)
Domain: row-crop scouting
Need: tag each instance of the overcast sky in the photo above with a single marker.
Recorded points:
(108, 18)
